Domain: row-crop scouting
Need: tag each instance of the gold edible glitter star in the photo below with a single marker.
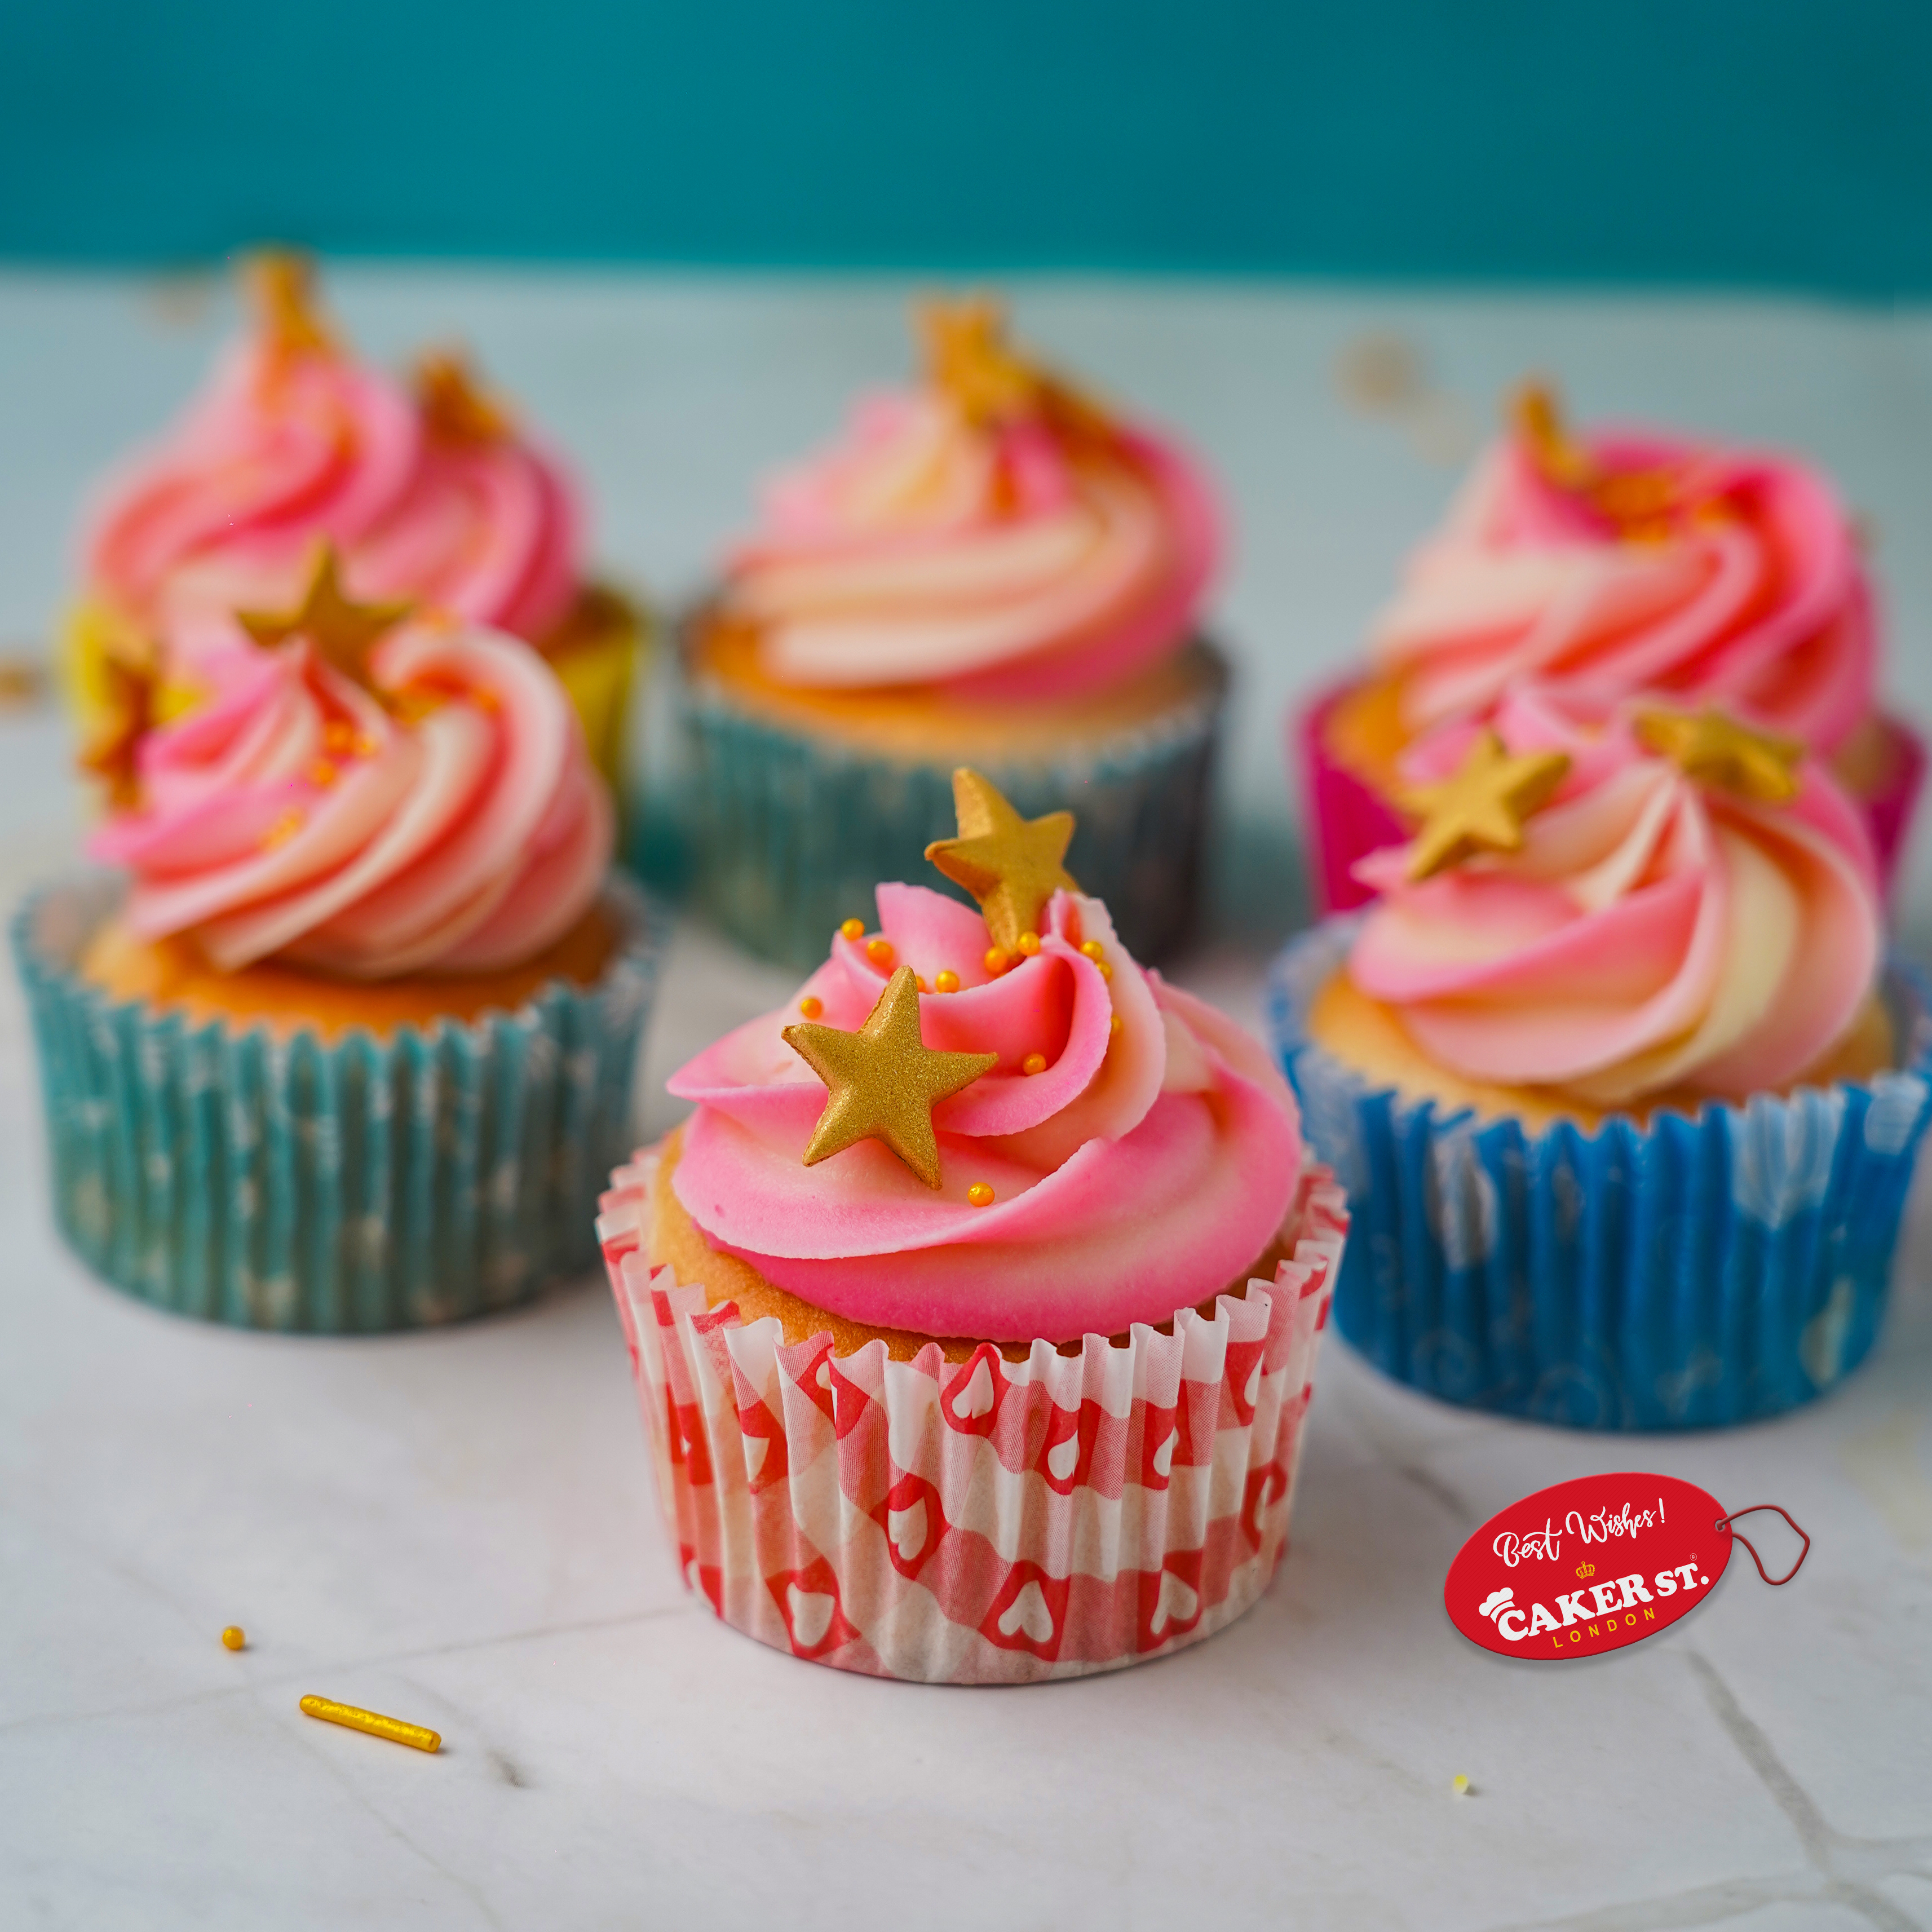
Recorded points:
(1482, 807)
(130, 673)
(883, 1081)
(969, 355)
(1714, 748)
(281, 284)
(341, 631)
(1641, 503)
(454, 409)
(1011, 865)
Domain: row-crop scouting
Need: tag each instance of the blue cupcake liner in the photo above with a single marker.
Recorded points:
(787, 833)
(1686, 1273)
(341, 1187)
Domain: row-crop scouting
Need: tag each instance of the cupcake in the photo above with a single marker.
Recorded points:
(869, 1287)
(429, 491)
(1624, 1096)
(1605, 568)
(346, 1041)
(991, 568)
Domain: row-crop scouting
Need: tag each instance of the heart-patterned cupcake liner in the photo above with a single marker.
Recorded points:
(983, 1521)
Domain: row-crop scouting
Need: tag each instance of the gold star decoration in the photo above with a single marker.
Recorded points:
(1011, 865)
(883, 1081)
(454, 408)
(1481, 807)
(1713, 747)
(341, 631)
(969, 355)
(1641, 503)
(130, 669)
(281, 284)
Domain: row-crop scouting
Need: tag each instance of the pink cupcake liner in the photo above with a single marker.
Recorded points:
(983, 1521)
(1344, 818)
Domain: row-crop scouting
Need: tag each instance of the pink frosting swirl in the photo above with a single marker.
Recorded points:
(1035, 551)
(1140, 1171)
(1634, 561)
(1654, 932)
(296, 814)
(433, 497)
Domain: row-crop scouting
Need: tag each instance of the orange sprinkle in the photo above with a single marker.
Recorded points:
(996, 961)
(854, 928)
(812, 1005)
(980, 1195)
(1029, 944)
(284, 828)
(948, 981)
(1034, 1063)
(879, 951)
(321, 774)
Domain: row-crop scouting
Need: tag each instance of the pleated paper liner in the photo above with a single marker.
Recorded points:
(982, 1522)
(1686, 1273)
(334, 1187)
(788, 833)
(1345, 817)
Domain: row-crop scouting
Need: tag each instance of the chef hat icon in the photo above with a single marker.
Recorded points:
(1491, 1604)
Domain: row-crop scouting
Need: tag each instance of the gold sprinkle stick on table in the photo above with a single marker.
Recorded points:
(377, 1725)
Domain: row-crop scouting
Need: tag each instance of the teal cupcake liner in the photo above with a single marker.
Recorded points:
(342, 1187)
(787, 833)
(1677, 1274)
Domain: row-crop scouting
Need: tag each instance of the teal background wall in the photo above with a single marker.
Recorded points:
(1758, 142)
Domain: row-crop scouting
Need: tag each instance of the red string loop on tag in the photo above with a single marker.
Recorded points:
(1726, 1522)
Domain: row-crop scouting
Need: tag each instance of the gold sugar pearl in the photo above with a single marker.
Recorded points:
(919, 980)
(364, 746)
(1106, 971)
(233, 1637)
(1092, 948)
(812, 1005)
(980, 1195)
(853, 929)
(284, 828)
(322, 775)
(948, 981)
(339, 736)
(1029, 944)
(879, 951)
(1114, 1025)
(1034, 1063)
(997, 960)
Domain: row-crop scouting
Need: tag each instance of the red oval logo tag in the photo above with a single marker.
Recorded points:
(1587, 1566)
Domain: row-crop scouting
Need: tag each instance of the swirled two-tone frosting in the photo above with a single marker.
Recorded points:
(433, 495)
(1135, 1168)
(1632, 562)
(441, 813)
(989, 533)
(1659, 929)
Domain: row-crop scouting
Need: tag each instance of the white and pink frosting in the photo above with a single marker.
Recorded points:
(295, 442)
(1655, 932)
(296, 814)
(1140, 1171)
(1638, 562)
(1033, 556)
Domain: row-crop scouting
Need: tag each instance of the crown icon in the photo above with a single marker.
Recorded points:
(1586, 1569)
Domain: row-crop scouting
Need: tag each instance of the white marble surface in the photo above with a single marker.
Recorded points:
(458, 1528)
